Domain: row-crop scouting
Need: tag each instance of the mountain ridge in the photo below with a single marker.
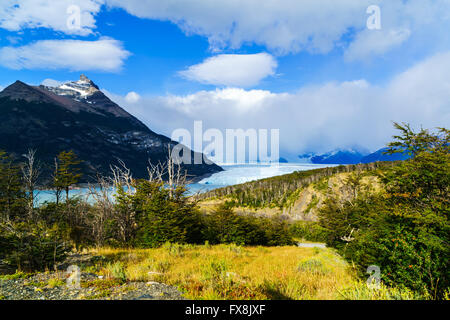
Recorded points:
(98, 130)
(351, 156)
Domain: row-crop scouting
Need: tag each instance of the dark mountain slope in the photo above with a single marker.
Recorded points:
(381, 156)
(98, 130)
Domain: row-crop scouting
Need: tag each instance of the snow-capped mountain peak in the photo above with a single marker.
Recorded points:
(80, 89)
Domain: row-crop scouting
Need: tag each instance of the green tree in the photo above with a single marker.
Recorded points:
(164, 215)
(12, 195)
(223, 225)
(67, 173)
(424, 180)
(414, 143)
(406, 229)
(418, 195)
(31, 246)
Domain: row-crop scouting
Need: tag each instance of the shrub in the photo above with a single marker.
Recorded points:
(405, 231)
(12, 192)
(54, 282)
(116, 271)
(309, 231)
(225, 226)
(174, 249)
(164, 217)
(32, 247)
(312, 266)
(360, 291)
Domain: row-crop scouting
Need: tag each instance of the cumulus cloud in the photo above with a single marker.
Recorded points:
(315, 118)
(414, 24)
(51, 83)
(281, 25)
(21, 14)
(132, 97)
(371, 43)
(289, 26)
(74, 55)
(241, 70)
(13, 40)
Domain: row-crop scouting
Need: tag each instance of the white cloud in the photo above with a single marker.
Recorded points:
(412, 25)
(370, 43)
(315, 118)
(74, 55)
(16, 15)
(242, 70)
(13, 40)
(287, 26)
(281, 25)
(132, 97)
(51, 83)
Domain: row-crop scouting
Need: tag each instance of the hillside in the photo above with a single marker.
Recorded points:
(295, 196)
(78, 116)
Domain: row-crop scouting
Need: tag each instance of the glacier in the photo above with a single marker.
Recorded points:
(237, 174)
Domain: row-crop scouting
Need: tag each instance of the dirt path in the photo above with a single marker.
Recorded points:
(311, 245)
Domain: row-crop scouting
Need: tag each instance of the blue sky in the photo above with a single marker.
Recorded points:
(313, 69)
(160, 49)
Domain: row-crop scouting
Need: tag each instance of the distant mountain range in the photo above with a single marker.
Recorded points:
(380, 156)
(77, 116)
(350, 156)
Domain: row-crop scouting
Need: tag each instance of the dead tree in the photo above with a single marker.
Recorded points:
(171, 170)
(55, 186)
(31, 170)
(121, 176)
(104, 208)
(124, 216)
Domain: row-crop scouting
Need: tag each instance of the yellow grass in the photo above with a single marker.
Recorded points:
(233, 272)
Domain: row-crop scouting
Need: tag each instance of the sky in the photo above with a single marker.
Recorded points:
(328, 74)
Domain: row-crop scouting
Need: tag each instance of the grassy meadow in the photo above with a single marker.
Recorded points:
(234, 272)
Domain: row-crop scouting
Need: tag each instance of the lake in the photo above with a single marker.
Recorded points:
(232, 174)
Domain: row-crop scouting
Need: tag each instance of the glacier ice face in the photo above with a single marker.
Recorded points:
(236, 174)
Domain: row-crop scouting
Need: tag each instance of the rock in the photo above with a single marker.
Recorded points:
(19, 290)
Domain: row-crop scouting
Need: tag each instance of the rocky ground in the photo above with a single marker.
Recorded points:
(55, 286)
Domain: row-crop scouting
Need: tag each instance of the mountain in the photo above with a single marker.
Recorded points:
(78, 116)
(339, 156)
(304, 158)
(380, 156)
(351, 156)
